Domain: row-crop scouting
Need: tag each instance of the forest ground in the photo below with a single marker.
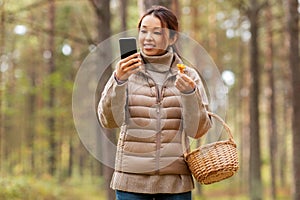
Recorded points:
(49, 188)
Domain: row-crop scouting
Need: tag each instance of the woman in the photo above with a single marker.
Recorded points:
(153, 103)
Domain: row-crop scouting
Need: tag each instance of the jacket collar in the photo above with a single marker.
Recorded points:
(162, 63)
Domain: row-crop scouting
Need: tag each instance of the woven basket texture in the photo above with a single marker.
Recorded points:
(214, 162)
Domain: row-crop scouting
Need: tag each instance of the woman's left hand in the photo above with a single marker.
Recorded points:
(184, 83)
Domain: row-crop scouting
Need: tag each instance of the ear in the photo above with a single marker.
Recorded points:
(173, 40)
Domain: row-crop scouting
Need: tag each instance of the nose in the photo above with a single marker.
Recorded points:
(149, 36)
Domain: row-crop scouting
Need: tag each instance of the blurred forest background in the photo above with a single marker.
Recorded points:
(254, 43)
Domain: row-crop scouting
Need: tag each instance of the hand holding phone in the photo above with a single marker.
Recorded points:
(130, 61)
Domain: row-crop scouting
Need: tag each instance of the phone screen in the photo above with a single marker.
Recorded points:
(127, 47)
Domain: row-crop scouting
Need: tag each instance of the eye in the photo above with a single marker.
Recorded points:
(157, 33)
(143, 31)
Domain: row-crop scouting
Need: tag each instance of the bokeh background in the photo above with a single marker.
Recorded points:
(254, 44)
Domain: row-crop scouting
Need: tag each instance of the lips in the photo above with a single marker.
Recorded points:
(149, 46)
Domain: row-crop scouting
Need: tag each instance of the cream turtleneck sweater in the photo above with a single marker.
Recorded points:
(158, 66)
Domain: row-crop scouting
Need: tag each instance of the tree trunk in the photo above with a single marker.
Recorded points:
(102, 10)
(82, 160)
(272, 104)
(285, 100)
(242, 106)
(124, 5)
(52, 159)
(2, 52)
(71, 161)
(293, 29)
(255, 159)
(196, 28)
(212, 33)
(31, 125)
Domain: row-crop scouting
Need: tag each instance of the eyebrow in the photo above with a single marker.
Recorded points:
(151, 27)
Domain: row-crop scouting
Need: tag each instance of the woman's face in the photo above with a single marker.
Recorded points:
(153, 39)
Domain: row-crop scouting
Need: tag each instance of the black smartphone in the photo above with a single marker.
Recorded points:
(127, 46)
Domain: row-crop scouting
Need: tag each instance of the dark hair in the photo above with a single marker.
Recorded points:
(167, 18)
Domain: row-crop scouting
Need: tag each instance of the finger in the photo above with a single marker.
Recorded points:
(180, 87)
(186, 80)
(180, 80)
(134, 60)
(135, 70)
(128, 65)
(123, 66)
(179, 83)
(184, 77)
(136, 55)
(133, 66)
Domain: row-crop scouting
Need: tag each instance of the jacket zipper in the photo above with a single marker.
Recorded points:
(158, 112)
(158, 135)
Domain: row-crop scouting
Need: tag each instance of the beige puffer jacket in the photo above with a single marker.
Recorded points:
(152, 121)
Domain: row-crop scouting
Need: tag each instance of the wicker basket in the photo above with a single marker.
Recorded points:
(213, 162)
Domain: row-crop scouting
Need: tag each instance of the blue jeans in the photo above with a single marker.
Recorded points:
(121, 195)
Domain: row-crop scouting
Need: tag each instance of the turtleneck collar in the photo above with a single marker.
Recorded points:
(160, 63)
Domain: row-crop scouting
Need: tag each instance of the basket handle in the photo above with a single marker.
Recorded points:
(183, 136)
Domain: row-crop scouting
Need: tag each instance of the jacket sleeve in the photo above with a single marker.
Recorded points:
(196, 121)
(111, 107)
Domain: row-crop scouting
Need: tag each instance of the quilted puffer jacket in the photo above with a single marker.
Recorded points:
(151, 121)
